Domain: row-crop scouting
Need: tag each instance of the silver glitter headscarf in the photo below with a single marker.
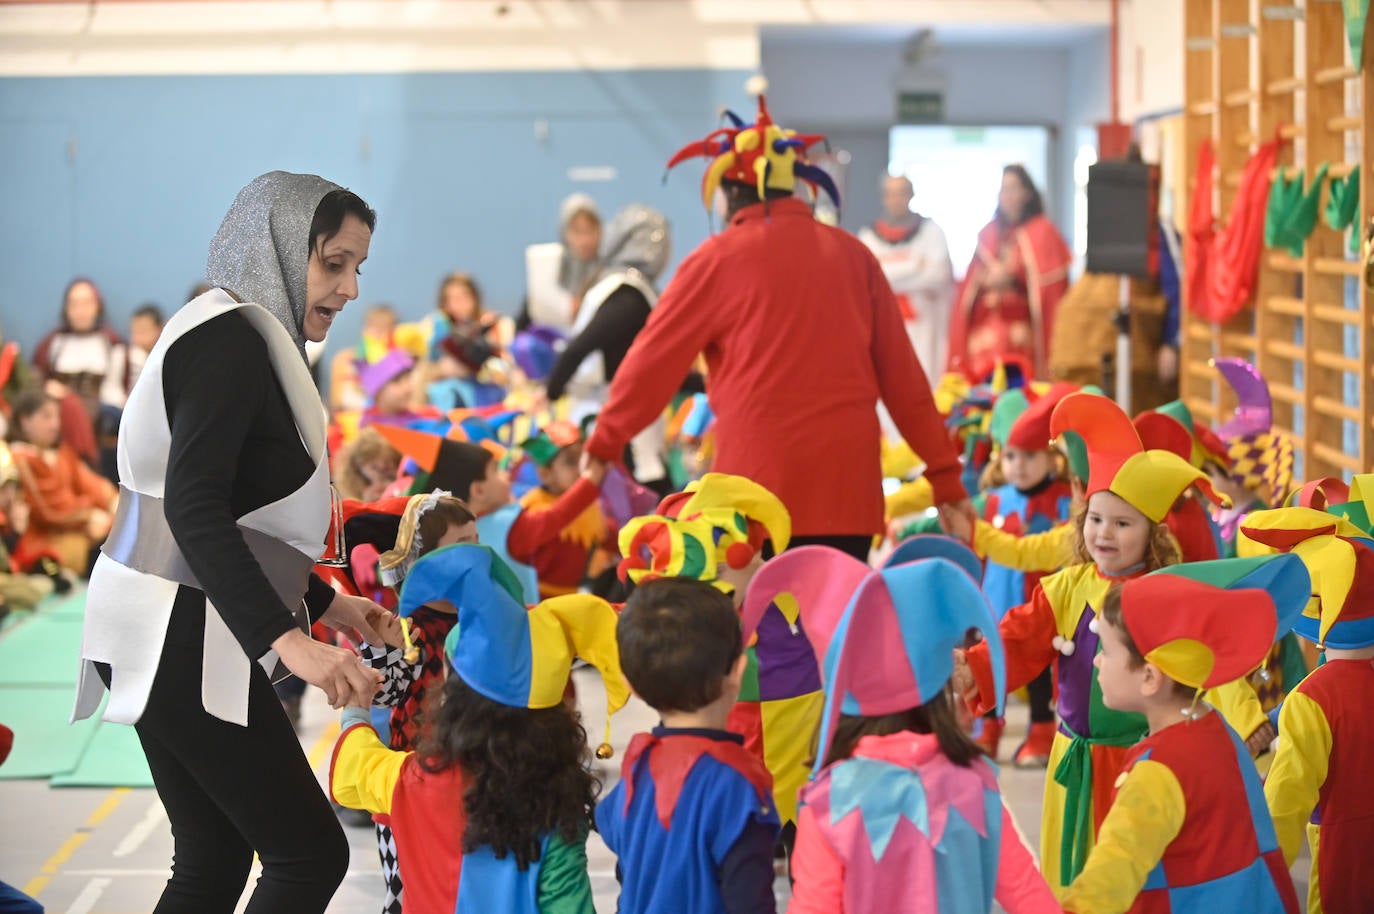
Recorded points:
(637, 238)
(261, 252)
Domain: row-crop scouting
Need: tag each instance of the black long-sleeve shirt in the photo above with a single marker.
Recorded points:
(234, 449)
(611, 331)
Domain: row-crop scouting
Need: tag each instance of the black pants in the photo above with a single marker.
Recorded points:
(856, 545)
(1040, 692)
(230, 791)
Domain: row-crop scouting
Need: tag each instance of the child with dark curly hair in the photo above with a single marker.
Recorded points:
(491, 812)
(692, 820)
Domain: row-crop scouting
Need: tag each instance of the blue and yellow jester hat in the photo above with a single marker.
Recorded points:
(760, 154)
(511, 655)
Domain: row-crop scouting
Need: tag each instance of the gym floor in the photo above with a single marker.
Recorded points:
(107, 851)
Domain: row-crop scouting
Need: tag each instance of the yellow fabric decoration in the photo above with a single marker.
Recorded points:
(586, 530)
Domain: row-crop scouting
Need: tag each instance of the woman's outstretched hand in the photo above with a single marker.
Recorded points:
(340, 673)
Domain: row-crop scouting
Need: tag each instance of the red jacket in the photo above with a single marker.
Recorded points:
(802, 336)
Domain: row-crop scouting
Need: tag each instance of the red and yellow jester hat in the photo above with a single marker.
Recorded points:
(760, 154)
(655, 546)
(1340, 561)
(1118, 462)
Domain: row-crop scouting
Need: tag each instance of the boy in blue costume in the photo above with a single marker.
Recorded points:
(692, 820)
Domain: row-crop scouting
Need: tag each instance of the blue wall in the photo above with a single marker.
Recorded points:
(125, 179)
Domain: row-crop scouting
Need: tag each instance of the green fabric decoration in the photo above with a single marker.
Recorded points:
(1075, 774)
(1343, 206)
(1292, 212)
(1292, 666)
(1355, 12)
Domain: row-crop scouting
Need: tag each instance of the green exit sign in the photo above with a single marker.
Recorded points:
(920, 107)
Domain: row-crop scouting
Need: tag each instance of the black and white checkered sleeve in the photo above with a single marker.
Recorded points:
(397, 675)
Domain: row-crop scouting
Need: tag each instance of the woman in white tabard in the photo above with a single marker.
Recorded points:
(204, 587)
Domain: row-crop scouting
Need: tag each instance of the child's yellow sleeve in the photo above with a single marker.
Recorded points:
(911, 498)
(363, 772)
(1048, 551)
(1145, 818)
(1239, 704)
(1299, 770)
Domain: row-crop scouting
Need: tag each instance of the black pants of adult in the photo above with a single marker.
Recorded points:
(856, 545)
(231, 791)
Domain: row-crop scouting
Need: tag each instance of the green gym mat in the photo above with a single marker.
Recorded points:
(113, 758)
(44, 743)
(71, 604)
(41, 651)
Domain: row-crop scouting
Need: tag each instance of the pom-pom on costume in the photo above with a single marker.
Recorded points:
(1318, 782)
(897, 826)
(511, 656)
(1188, 829)
(1060, 623)
(726, 520)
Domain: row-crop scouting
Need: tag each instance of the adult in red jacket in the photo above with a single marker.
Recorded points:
(801, 335)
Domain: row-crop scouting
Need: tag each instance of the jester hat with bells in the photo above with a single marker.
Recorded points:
(1148, 480)
(1205, 624)
(512, 655)
(1340, 561)
(760, 155)
(884, 638)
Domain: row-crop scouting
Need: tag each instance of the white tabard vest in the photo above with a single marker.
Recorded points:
(548, 303)
(135, 579)
(588, 389)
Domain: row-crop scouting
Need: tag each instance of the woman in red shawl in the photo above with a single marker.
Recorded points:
(1007, 301)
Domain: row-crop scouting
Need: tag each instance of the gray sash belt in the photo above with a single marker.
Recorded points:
(141, 539)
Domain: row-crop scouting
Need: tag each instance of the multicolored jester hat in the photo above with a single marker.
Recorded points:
(760, 154)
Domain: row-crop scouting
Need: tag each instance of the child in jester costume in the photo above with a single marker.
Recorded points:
(482, 821)
(1122, 536)
(1188, 829)
(904, 813)
(1319, 781)
(715, 531)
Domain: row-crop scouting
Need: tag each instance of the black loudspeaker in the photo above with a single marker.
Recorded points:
(1123, 202)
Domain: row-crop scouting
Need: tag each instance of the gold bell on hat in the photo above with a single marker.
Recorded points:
(604, 751)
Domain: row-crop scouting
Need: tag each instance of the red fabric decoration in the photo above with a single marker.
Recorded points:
(1222, 267)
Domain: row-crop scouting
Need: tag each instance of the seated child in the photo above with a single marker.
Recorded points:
(1319, 781)
(366, 466)
(473, 473)
(1187, 830)
(18, 590)
(71, 507)
(584, 547)
(692, 820)
(904, 814)
(491, 811)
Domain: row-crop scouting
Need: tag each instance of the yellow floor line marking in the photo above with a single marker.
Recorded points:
(320, 750)
(49, 869)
